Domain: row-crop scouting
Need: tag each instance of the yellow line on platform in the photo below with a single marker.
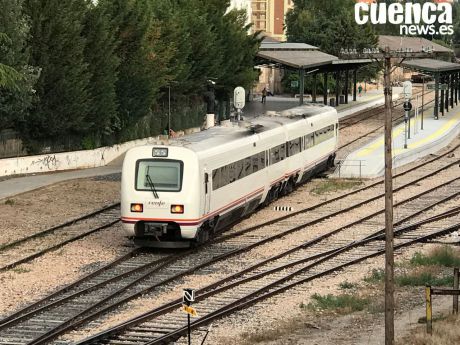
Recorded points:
(396, 132)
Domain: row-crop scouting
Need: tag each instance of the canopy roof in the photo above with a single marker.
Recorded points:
(431, 65)
(416, 44)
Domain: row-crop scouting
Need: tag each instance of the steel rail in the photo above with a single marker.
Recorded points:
(77, 323)
(204, 293)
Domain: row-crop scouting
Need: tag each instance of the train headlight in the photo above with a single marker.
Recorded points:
(159, 152)
(177, 208)
(137, 208)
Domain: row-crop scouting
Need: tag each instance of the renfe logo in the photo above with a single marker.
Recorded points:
(412, 18)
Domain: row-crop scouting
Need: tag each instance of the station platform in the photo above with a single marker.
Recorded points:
(368, 100)
(11, 186)
(368, 161)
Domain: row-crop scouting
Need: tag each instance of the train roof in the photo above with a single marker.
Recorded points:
(220, 135)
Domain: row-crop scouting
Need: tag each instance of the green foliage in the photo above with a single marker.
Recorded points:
(333, 185)
(330, 25)
(17, 78)
(9, 202)
(441, 256)
(377, 276)
(103, 64)
(341, 303)
(57, 48)
(346, 285)
(422, 279)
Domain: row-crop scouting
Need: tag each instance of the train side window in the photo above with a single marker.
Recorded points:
(275, 155)
(247, 166)
(282, 151)
(262, 160)
(215, 179)
(224, 176)
(239, 166)
(232, 173)
(255, 163)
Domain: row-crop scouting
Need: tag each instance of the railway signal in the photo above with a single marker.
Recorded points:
(188, 297)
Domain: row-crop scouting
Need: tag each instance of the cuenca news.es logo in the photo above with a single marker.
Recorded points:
(430, 18)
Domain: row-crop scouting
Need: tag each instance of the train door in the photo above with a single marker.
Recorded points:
(207, 192)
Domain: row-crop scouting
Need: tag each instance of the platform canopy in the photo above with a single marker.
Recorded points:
(306, 58)
(416, 44)
(431, 66)
(294, 55)
(446, 81)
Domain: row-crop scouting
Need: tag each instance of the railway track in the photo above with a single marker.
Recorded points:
(372, 112)
(266, 279)
(29, 248)
(30, 326)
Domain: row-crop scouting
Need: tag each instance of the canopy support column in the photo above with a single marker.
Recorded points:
(355, 82)
(301, 85)
(451, 90)
(442, 100)
(436, 96)
(313, 96)
(346, 86)
(325, 89)
(446, 81)
(337, 88)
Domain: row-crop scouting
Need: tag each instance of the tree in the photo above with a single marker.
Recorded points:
(16, 77)
(57, 48)
(100, 56)
(329, 25)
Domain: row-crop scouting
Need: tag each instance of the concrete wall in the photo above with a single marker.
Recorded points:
(74, 160)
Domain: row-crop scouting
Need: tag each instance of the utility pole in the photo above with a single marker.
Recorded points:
(389, 259)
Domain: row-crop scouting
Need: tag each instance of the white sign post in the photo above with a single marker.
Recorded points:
(239, 99)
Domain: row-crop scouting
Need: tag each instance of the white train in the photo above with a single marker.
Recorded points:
(175, 195)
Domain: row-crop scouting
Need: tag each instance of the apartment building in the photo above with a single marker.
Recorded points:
(268, 16)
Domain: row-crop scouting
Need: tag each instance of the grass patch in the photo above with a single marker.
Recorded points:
(344, 303)
(416, 277)
(21, 270)
(377, 276)
(440, 256)
(9, 202)
(424, 277)
(334, 185)
(346, 285)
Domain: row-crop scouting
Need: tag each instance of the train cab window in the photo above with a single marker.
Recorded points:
(165, 175)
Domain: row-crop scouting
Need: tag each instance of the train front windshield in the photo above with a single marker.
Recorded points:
(165, 175)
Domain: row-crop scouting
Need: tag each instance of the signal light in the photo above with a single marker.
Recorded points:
(137, 208)
(177, 208)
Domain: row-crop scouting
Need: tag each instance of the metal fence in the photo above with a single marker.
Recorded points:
(342, 164)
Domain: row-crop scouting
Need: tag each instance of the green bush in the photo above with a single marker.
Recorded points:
(344, 302)
(441, 256)
(422, 279)
(377, 276)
